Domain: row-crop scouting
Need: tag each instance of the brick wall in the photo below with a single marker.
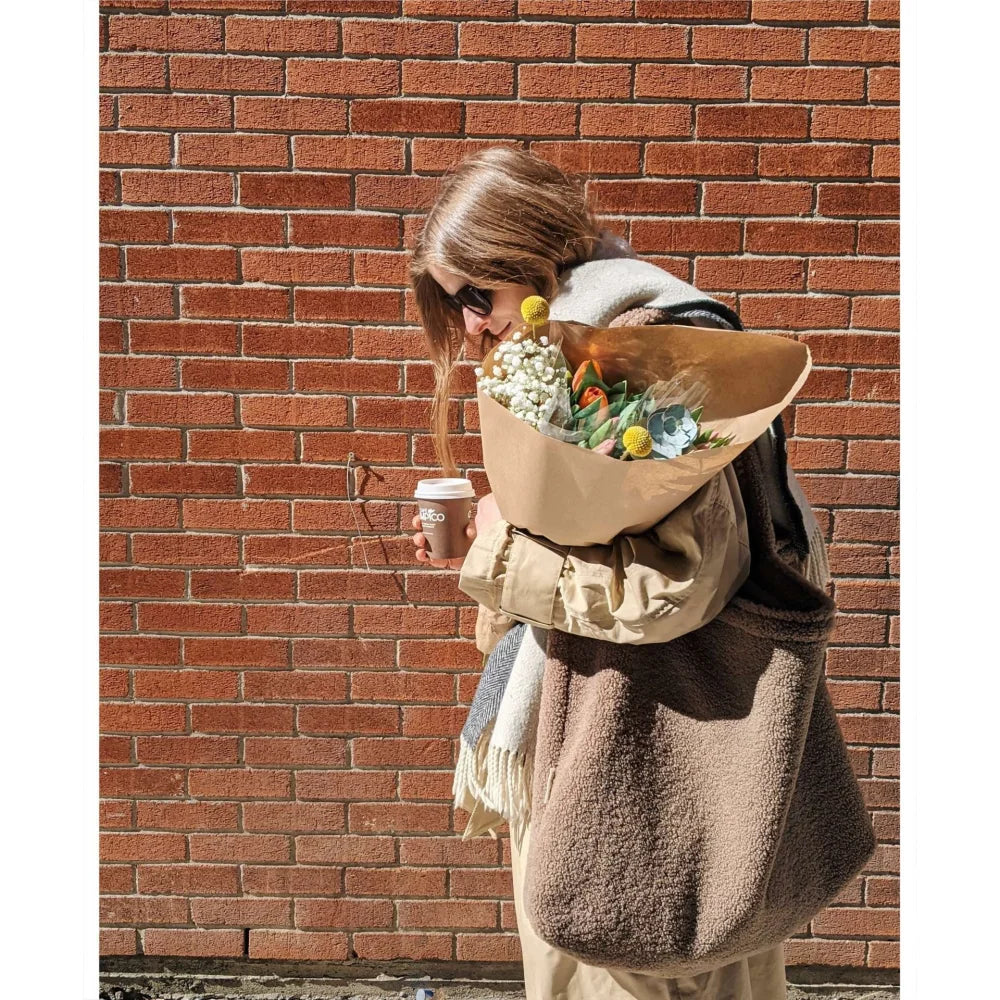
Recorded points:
(281, 701)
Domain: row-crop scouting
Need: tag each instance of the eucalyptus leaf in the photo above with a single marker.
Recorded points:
(600, 434)
(595, 420)
(629, 414)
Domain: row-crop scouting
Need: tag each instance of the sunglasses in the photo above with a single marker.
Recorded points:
(477, 300)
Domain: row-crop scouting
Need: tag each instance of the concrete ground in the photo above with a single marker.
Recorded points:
(169, 984)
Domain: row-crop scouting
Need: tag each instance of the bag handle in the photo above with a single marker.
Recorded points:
(799, 530)
(774, 590)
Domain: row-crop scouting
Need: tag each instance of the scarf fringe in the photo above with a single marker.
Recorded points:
(493, 784)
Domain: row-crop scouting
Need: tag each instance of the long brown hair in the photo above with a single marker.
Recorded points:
(502, 216)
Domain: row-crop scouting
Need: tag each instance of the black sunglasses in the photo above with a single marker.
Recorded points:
(477, 300)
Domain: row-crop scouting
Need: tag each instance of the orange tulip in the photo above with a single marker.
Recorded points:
(581, 371)
(591, 393)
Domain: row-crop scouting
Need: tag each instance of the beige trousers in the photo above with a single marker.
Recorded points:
(550, 974)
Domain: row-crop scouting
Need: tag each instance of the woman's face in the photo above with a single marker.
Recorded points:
(506, 314)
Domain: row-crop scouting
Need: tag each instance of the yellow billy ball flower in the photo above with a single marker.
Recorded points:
(535, 310)
(637, 441)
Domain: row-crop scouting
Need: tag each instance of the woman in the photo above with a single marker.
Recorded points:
(507, 225)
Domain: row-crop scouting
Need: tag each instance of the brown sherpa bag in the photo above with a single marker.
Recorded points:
(693, 801)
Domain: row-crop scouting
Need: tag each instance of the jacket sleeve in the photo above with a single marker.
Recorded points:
(637, 589)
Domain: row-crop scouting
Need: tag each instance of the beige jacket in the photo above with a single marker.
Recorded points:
(637, 589)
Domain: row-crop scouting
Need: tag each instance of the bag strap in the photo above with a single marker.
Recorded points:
(683, 312)
(774, 588)
(774, 439)
(800, 533)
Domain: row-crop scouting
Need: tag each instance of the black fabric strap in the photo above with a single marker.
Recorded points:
(778, 446)
(801, 533)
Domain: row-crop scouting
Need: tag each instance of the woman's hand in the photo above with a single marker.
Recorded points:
(486, 513)
(421, 543)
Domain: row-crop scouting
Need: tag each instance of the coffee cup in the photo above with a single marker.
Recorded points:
(445, 507)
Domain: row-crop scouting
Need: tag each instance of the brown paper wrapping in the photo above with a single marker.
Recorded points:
(574, 496)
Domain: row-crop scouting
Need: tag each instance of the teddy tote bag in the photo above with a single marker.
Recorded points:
(693, 801)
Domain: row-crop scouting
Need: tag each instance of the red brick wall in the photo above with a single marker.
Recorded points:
(280, 721)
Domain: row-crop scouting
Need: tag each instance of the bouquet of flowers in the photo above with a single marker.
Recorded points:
(533, 380)
(695, 397)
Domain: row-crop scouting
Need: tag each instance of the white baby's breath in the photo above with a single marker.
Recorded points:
(532, 373)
